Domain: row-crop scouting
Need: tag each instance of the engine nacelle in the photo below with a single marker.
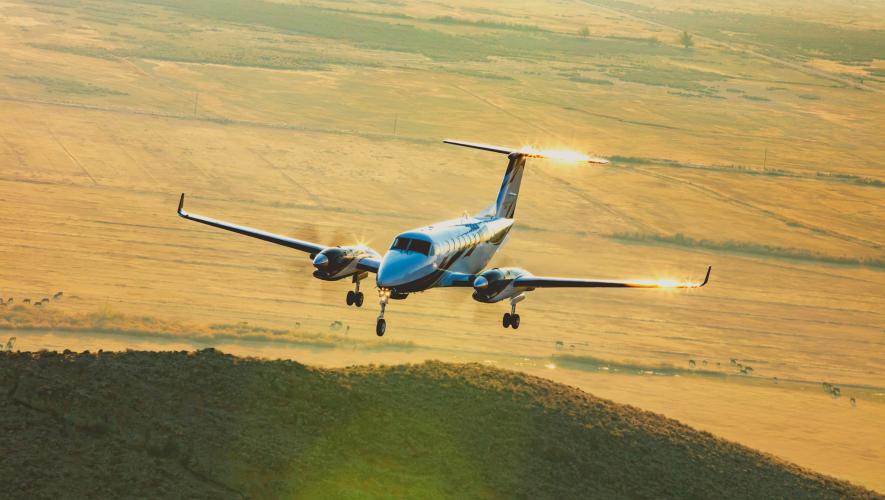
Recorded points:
(496, 284)
(335, 263)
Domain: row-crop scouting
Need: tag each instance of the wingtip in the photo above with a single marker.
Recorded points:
(707, 277)
(181, 205)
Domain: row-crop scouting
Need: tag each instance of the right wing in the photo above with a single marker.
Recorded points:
(540, 282)
(304, 246)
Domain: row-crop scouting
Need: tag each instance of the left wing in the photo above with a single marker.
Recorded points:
(304, 246)
(541, 282)
(369, 264)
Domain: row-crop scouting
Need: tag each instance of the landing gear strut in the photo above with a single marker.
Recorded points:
(381, 325)
(511, 319)
(355, 297)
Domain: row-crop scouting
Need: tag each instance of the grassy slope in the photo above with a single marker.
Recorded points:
(207, 424)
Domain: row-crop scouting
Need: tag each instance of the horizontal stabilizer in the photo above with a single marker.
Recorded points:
(530, 152)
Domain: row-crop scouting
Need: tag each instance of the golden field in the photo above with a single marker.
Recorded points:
(757, 151)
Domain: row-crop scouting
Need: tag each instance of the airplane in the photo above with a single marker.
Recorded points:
(452, 253)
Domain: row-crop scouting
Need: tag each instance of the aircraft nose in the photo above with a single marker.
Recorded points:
(387, 277)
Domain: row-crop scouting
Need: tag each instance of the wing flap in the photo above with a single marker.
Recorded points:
(304, 246)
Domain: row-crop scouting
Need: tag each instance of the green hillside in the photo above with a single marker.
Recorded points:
(206, 424)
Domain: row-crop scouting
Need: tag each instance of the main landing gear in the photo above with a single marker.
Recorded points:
(355, 297)
(381, 325)
(511, 319)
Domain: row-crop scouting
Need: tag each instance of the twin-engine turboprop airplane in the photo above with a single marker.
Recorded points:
(446, 254)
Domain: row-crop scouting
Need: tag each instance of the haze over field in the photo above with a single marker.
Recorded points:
(757, 150)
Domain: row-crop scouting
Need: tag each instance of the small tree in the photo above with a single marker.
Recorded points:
(584, 32)
(686, 39)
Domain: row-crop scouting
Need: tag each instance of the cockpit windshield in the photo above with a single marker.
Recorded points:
(411, 245)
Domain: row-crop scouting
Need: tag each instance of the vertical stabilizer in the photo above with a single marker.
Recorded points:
(505, 205)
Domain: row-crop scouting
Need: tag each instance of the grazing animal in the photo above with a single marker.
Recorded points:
(836, 392)
(691, 363)
(749, 369)
(10, 301)
(58, 295)
(775, 380)
(10, 343)
(734, 361)
(38, 304)
(44, 299)
(559, 344)
(743, 370)
(27, 301)
(853, 402)
(704, 362)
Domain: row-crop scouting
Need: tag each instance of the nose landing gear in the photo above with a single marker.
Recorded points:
(355, 297)
(381, 325)
(511, 319)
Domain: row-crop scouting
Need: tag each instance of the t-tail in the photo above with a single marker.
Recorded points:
(505, 204)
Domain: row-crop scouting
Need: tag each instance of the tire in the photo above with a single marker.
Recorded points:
(506, 320)
(380, 327)
(358, 299)
(514, 321)
(350, 297)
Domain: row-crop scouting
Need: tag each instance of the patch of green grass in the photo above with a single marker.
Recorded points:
(68, 86)
(669, 76)
(484, 23)
(107, 321)
(742, 169)
(748, 248)
(591, 81)
(405, 34)
(582, 362)
(778, 35)
(486, 75)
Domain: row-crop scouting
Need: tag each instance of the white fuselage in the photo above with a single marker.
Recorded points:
(422, 258)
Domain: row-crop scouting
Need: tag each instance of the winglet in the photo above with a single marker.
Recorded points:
(181, 206)
(707, 277)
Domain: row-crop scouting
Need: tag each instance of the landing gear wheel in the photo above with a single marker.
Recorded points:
(514, 321)
(506, 321)
(350, 298)
(380, 327)
(358, 299)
